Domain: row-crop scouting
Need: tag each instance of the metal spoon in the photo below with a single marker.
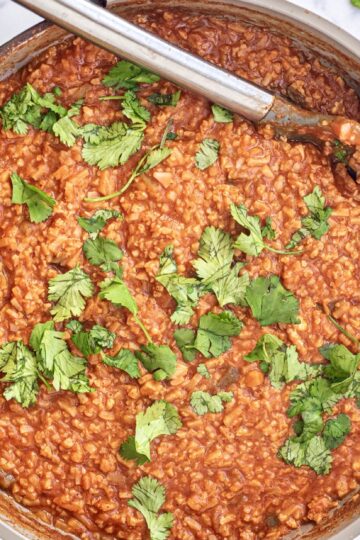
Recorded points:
(98, 25)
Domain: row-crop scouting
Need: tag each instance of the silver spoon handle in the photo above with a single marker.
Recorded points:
(127, 40)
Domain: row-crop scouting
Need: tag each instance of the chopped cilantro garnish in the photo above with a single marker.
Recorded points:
(133, 110)
(97, 221)
(203, 371)
(114, 147)
(270, 302)
(316, 223)
(158, 360)
(253, 242)
(124, 360)
(310, 400)
(28, 107)
(65, 128)
(221, 114)
(40, 204)
(167, 100)
(280, 361)
(69, 291)
(185, 291)
(51, 360)
(185, 338)
(161, 418)
(19, 366)
(203, 402)
(128, 75)
(207, 154)
(149, 496)
(335, 431)
(212, 338)
(116, 291)
(56, 361)
(92, 341)
(268, 231)
(215, 268)
(103, 252)
(150, 159)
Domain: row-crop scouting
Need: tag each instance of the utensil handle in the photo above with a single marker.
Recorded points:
(127, 40)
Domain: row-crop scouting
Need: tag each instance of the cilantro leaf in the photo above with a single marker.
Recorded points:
(253, 242)
(268, 231)
(356, 3)
(21, 110)
(207, 154)
(311, 400)
(66, 130)
(149, 160)
(92, 341)
(215, 254)
(203, 371)
(114, 146)
(312, 453)
(185, 338)
(149, 496)
(280, 361)
(69, 291)
(97, 221)
(19, 365)
(133, 110)
(165, 100)
(161, 418)
(124, 360)
(231, 288)
(128, 451)
(28, 107)
(335, 431)
(343, 363)
(203, 402)
(212, 338)
(315, 224)
(214, 267)
(270, 302)
(75, 326)
(185, 291)
(40, 204)
(55, 360)
(115, 291)
(127, 75)
(221, 114)
(158, 360)
(103, 252)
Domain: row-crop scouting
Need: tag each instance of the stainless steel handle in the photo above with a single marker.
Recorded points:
(131, 42)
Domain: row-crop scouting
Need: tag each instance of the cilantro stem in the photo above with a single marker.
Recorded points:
(136, 172)
(281, 252)
(141, 325)
(48, 386)
(343, 331)
(133, 175)
(106, 98)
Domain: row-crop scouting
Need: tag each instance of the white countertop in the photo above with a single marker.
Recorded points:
(14, 19)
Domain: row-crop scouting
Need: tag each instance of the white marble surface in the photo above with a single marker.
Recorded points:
(14, 19)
